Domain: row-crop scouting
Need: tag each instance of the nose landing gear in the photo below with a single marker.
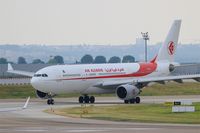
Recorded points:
(86, 99)
(50, 101)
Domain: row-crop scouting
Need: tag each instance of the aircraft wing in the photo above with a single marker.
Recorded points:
(11, 70)
(114, 83)
(146, 80)
(17, 108)
(178, 78)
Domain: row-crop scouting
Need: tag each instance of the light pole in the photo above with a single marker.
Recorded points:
(145, 37)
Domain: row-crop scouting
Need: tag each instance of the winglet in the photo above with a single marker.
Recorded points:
(10, 68)
(26, 103)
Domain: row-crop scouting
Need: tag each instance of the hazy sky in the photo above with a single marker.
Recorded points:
(95, 21)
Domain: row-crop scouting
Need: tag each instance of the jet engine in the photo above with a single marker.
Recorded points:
(41, 94)
(171, 67)
(126, 92)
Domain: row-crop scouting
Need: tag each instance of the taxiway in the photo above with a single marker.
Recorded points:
(33, 119)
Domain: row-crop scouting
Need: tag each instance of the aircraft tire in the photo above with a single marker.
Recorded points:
(50, 101)
(137, 99)
(132, 101)
(92, 99)
(126, 101)
(81, 99)
(87, 99)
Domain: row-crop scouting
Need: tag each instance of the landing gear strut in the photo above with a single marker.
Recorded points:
(132, 101)
(86, 99)
(50, 101)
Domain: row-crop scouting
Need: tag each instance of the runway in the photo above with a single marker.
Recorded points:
(34, 120)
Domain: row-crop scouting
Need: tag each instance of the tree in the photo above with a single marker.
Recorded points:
(59, 59)
(100, 59)
(3, 61)
(21, 60)
(52, 61)
(128, 58)
(56, 60)
(87, 59)
(37, 61)
(114, 59)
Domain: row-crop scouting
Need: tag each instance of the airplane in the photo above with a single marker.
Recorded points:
(125, 79)
(17, 108)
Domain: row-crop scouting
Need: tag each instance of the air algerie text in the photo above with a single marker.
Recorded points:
(104, 70)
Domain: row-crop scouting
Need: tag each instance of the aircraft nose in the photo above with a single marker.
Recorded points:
(38, 84)
(35, 83)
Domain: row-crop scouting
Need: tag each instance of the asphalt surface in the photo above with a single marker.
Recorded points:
(33, 119)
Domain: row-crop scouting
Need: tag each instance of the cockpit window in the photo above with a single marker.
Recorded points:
(44, 75)
(40, 75)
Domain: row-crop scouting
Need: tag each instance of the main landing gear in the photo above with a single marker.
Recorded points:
(86, 99)
(50, 101)
(132, 101)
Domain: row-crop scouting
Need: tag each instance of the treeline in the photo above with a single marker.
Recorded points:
(86, 59)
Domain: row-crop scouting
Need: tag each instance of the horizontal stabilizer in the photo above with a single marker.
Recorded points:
(10, 68)
(25, 73)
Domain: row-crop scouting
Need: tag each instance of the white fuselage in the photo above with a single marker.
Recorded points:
(83, 78)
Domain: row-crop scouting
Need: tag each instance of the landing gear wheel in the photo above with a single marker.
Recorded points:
(87, 99)
(132, 100)
(50, 101)
(137, 99)
(92, 99)
(81, 99)
(126, 101)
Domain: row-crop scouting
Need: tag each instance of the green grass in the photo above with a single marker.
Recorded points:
(14, 91)
(172, 88)
(191, 88)
(156, 113)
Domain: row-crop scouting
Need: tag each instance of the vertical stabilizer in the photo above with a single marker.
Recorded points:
(168, 49)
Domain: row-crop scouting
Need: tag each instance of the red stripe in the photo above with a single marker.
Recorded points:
(154, 59)
(145, 69)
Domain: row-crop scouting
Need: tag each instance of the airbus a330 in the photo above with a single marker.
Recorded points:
(125, 79)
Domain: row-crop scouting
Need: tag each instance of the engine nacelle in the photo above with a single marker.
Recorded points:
(41, 94)
(126, 92)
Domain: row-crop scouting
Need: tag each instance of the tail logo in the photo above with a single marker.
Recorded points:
(171, 48)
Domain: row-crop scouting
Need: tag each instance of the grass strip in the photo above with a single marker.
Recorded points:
(150, 113)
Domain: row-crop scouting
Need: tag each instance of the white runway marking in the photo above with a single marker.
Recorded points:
(89, 130)
(31, 130)
(79, 130)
